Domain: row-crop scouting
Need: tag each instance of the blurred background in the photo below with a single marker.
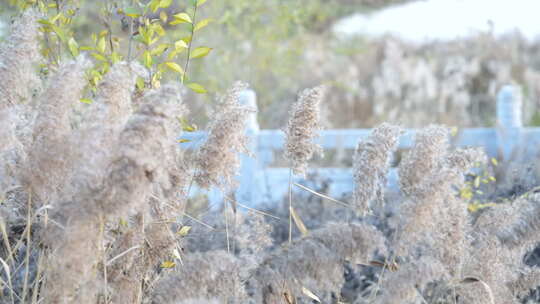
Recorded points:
(401, 61)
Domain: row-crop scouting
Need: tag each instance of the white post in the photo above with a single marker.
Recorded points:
(509, 120)
(248, 191)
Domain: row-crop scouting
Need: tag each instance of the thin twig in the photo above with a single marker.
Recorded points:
(8, 276)
(322, 195)
(28, 235)
(104, 259)
(111, 261)
(5, 238)
(183, 77)
(198, 221)
(130, 43)
(227, 228)
(35, 292)
(252, 209)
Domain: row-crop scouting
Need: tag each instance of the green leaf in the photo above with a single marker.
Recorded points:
(175, 67)
(154, 5)
(147, 59)
(165, 3)
(454, 131)
(200, 52)
(102, 45)
(180, 44)
(200, 2)
(186, 127)
(45, 22)
(184, 231)
(99, 57)
(60, 33)
(186, 39)
(173, 54)
(57, 17)
(122, 222)
(73, 47)
(182, 18)
(158, 51)
(158, 29)
(115, 57)
(201, 24)
(132, 12)
(163, 16)
(197, 88)
(86, 100)
(140, 83)
(168, 264)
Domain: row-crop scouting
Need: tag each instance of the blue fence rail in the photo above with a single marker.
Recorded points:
(260, 182)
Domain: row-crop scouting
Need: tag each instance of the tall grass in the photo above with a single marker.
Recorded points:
(94, 207)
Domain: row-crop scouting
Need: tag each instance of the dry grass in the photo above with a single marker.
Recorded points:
(92, 211)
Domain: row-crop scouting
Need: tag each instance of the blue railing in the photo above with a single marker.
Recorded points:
(260, 181)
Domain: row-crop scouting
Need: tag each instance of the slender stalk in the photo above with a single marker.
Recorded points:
(190, 43)
(186, 198)
(130, 43)
(108, 25)
(28, 236)
(104, 259)
(59, 42)
(227, 228)
(290, 205)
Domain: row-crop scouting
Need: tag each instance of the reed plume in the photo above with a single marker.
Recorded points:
(18, 54)
(217, 161)
(302, 128)
(371, 163)
(50, 158)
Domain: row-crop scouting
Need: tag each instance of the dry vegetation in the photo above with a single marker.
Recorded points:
(388, 79)
(94, 206)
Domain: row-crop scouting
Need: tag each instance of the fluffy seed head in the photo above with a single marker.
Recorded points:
(218, 162)
(302, 128)
(371, 162)
(50, 155)
(104, 120)
(426, 157)
(18, 53)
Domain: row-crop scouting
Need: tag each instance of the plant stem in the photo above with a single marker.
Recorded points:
(190, 43)
(109, 29)
(130, 44)
(290, 205)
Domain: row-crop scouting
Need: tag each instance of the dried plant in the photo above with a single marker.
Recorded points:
(433, 216)
(103, 120)
(217, 161)
(212, 276)
(51, 155)
(302, 128)
(406, 284)
(18, 54)
(138, 164)
(430, 148)
(316, 262)
(371, 163)
(91, 206)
